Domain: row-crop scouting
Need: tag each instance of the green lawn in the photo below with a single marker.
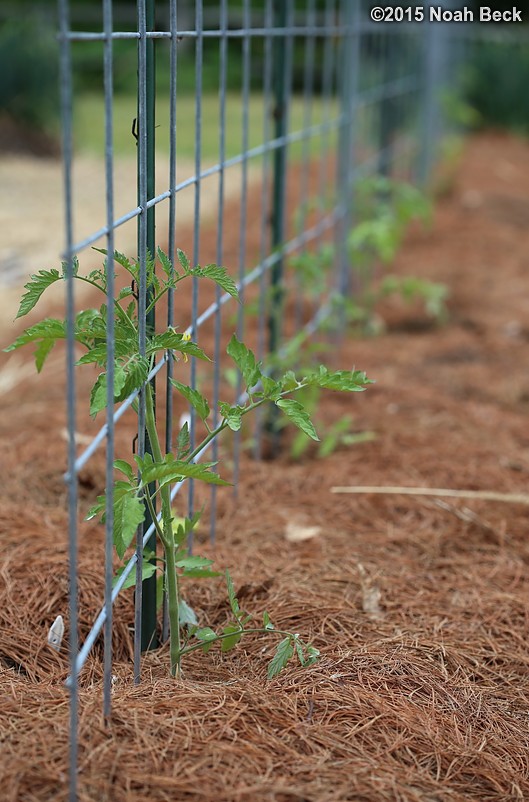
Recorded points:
(89, 124)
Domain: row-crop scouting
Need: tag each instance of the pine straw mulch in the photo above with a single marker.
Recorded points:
(419, 606)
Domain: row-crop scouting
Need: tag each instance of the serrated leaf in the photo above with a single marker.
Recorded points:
(129, 513)
(197, 401)
(35, 287)
(266, 621)
(299, 652)
(184, 261)
(289, 381)
(232, 415)
(167, 266)
(182, 527)
(186, 614)
(183, 442)
(205, 634)
(42, 352)
(123, 466)
(345, 380)
(193, 561)
(200, 573)
(219, 275)
(234, 602)
(147, 570)
(284, 652)
(173, 470)
(271, 388)
(98, 396)
(171, 340)
(234, 635)
(245, 360)
(313, 655)
(297, 413)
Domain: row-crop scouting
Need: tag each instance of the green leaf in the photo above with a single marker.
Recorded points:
(45, 334)
(123, 466)
(245, 360)
(219, 275)
(182, 527)
(184, 261)
(136, 370)
(193, 561)
(183, 442)
(35, 287)
(284, 652)
(200, 573)
(234, 602)
(205, 634)
(147, 570)
(298, 415)
(98, 396)
(271, 388)
(289, 382)
(234, 635)
(232, 415)
(197, 401)
(172, 470)
(266, 621)
(172, 340)
(186, 614)
(352, 381)
(299, 651)
(129, 513)
(313, 655)
(41, 353)
(167, 266)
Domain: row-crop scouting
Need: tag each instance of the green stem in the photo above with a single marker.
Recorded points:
(258, 630)
(173, 596)
(117, 305)
(220, 428)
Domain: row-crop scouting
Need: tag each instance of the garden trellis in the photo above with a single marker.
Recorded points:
(367, 100)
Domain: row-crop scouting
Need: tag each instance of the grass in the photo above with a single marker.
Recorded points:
(89, 124)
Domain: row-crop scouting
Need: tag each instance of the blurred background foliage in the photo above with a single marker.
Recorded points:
(494, 82)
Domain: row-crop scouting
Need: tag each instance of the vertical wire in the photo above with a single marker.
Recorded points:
(265, 212)
(66, 114)
(196, 233)
(142, 295)
(219, 249)
(349, 63)
(327, 81)
(109, 506)
(169, 404)
(308, 95)
(244, 211)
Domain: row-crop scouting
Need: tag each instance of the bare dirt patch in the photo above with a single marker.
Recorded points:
(422, 696)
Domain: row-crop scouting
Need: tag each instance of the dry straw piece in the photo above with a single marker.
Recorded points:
(482, 495)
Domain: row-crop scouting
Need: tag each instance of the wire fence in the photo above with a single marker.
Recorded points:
(325, 96)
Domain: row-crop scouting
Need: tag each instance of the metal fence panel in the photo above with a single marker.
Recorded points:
(340, 97)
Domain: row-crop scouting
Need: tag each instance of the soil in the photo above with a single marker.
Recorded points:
(418, 605)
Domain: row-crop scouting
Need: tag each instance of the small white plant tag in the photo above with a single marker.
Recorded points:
(56, 633)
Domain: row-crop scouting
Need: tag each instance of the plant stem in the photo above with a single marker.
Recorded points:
(173, 596)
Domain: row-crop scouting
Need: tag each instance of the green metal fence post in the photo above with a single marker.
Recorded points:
(277, 218)
(149, 638)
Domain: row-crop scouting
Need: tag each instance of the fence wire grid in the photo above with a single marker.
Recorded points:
(324, 97)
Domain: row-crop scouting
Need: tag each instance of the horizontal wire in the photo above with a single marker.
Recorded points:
(293, 244)
(392, 89)
(320, 31)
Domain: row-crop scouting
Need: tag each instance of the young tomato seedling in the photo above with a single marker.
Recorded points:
(150, 478)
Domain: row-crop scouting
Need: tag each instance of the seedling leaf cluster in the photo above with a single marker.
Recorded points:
(145, 482)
